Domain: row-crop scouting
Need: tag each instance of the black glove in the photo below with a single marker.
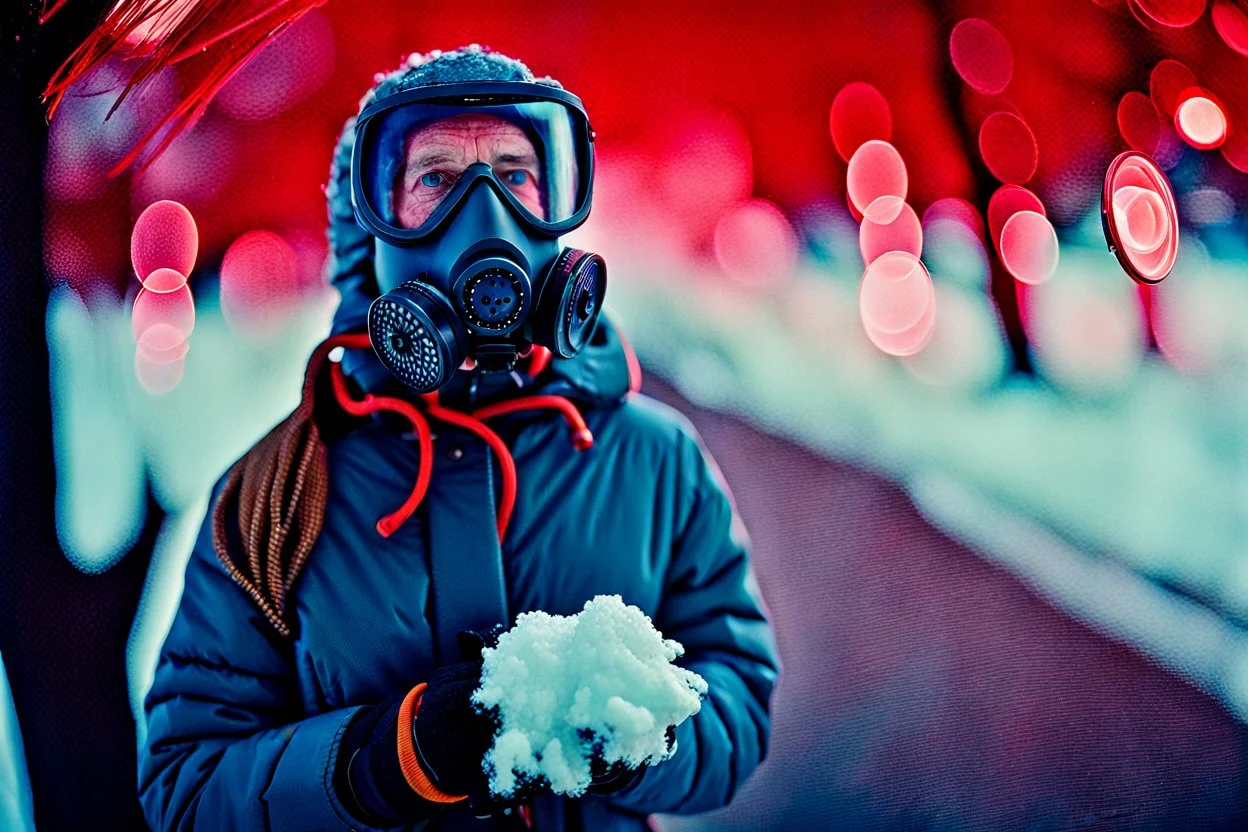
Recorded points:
(450, 736)
(608, 779)
(604, 779)
(439, 751)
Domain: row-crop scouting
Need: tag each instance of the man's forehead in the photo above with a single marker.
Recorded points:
(471, 124)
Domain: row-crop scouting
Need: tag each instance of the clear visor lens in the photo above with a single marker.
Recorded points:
(415, 155)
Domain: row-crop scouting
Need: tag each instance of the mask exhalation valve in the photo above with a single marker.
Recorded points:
(493, 299)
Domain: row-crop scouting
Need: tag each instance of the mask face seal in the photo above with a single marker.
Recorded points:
(466, 189)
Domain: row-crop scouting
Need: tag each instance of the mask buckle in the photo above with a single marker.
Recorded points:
(498, 360)
(496, 357)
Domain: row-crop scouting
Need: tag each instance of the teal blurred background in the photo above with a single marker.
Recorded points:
(1060, 472)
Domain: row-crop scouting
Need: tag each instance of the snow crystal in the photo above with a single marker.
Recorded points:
(564, 685)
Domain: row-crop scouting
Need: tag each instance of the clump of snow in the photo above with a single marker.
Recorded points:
(569, 688)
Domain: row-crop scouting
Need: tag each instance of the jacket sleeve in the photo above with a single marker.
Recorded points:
(709, 607)
(228, 745)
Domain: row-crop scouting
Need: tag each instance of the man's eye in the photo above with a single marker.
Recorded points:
(432, 180)
(517, 177)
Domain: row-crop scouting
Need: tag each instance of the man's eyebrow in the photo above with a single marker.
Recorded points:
(516, 158)
(430, 158)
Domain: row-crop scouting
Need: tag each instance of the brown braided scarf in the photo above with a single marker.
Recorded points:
(278, 491)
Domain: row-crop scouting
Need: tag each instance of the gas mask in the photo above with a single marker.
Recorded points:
(466, 188)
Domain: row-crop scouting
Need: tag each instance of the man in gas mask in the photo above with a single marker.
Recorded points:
(416, 531)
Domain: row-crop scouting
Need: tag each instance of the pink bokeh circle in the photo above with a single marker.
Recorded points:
(164, 280)
(164, 237)
(1140, 215)
(897, 303)
(1166, 82)
(755, 244)
(1201, 120)
(1029, 248)
(1139, 122)
(1230, 19)
(259, 281)
(904, 233)
(876, 170)
(1007, 201)
(175, 309)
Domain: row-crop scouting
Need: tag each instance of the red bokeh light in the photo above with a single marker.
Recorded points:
(164, 237)
(175, 310)
(259, 281)
(1007, 201)
(859, 114)
(1235, 150)
(284, 72)
(1139, 122)
(1167, 82)
(194, 169)
(1029, 249)
(1008, 148)
(877, 176)
(981, 55)
(1230, 19)
(1201, 119)
(755, 244)
(904, 233)
(897, 303)
(1172, 13)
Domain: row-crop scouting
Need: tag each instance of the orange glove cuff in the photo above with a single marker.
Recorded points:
(408, 761)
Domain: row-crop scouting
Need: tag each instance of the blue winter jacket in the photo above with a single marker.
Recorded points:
(243, 725)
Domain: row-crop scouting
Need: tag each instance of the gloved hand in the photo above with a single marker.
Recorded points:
(462, 758)
(449, 735)
(606, 779)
